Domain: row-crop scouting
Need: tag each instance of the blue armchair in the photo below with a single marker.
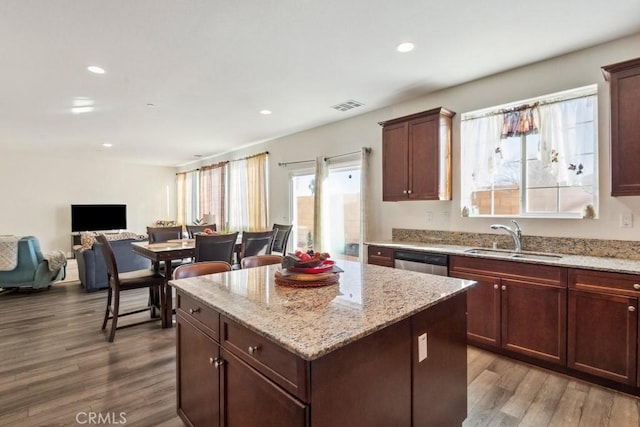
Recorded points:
(32, 269)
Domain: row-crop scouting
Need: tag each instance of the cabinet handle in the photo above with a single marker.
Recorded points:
(194, 310)
(409, 192)
(216, 362)
(495, 286)
(504, 287)
(632, 308)
(636, 286)
(253, 349)
(379, 253)
(404, 192)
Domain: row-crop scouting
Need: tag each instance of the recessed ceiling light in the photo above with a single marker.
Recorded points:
(405, 47)
(95, 69)
(265, 112)
(80, 110)
(108, 145)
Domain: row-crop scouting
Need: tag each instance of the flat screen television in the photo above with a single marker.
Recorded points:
(98, 217)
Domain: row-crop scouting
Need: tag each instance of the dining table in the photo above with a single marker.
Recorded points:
(165, 253)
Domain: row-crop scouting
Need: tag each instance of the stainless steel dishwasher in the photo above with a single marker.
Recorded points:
(424, 262)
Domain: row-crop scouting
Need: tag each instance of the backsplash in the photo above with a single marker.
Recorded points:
(564, 245)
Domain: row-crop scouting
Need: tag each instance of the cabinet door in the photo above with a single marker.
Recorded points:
(602, 335)
(483, 309)
(395, 154)
(424, 158)
(197, 376)
(251, 399)
(625, 138)
(534, 320)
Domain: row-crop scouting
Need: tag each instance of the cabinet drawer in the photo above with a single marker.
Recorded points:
(279, 365)
(205, 317)
(380, 256)
(537, 273)
(603, 281)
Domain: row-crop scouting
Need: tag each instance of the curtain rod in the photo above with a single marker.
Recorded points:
(368, 150)
(294, 163)
(226, 161)
(471, 116)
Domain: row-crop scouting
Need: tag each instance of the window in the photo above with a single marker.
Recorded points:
(233, 193)
(534, 158)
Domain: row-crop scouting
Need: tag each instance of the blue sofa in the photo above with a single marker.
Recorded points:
(32, 269)
(93, 270)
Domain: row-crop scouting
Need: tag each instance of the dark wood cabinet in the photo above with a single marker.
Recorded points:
(483, 309)
(198, 396)
(379, 255)
(231, 375)
(416, 156)
(517, 307)
(442, 375)
(251, 399)
(624, 79)
(603, 325)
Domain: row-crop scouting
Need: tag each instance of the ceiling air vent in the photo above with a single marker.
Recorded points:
(347, 105)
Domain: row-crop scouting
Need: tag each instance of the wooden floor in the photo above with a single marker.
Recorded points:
(56, 367)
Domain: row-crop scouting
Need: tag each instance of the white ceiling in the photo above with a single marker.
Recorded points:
(210, 66)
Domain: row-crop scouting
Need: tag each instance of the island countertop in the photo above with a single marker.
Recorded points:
(312, 322)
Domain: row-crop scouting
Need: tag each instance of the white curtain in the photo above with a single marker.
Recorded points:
(479, 138)
(364, 198)
(320, 235)
(561, 142)
(238, 217)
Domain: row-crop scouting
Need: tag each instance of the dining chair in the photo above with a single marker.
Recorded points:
(257, 243)
(215, 247)
(162, 234)
(192, 229)
(260, 260)
(282, 238)
(121, 282)
(200, 269)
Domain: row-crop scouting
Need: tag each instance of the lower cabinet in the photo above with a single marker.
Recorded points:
(251, 399)
(379, 255)
(518, 307)
(412, 372)
(198, 376)
(603, 325)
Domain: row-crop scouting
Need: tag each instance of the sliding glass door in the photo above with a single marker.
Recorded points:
(342, 224)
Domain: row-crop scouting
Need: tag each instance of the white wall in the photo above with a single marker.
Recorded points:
(38, 192)
(566, 72)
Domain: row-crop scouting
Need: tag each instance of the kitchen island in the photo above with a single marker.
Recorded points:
(382, 347)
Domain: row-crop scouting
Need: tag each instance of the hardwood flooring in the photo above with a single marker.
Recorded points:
(56, 369)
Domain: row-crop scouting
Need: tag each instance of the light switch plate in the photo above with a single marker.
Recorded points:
(422, 347)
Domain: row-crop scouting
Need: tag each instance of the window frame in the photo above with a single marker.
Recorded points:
(523, 185)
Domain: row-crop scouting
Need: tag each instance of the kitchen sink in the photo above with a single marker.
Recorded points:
(524, 255)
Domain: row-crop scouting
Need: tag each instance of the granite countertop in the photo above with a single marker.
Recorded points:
(618, 265)
(312, 322)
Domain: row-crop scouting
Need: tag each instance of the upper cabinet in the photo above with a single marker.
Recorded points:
(416, 156)
(624, 79)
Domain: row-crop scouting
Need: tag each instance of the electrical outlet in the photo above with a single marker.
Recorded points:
(626, 220)
(429, 216)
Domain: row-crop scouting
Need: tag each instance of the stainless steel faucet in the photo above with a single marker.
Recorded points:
(515, 234)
